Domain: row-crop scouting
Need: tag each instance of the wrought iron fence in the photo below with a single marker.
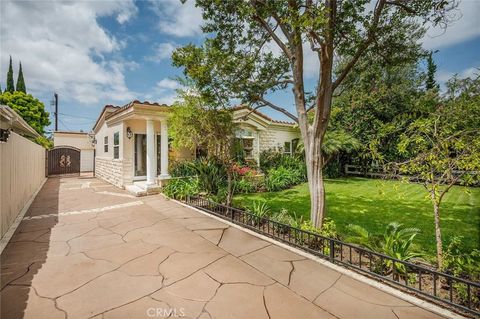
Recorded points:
(423, 281)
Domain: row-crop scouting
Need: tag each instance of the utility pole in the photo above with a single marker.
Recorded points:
(55, 95)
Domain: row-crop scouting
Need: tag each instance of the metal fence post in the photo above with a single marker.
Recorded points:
(332, 250)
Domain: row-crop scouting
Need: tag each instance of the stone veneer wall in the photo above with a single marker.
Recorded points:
(110, 170)
(267, 140)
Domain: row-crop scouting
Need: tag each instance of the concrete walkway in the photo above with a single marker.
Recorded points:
(86, 249)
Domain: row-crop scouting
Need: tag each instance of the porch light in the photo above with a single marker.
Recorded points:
(4, 134)
(91, 137)
(129, 133)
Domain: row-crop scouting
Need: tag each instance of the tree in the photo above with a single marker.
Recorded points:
(20, 81)
(430, 83)
(257, 47)
(10, 87)
(444, 148)
(29, 108)
(193, 123)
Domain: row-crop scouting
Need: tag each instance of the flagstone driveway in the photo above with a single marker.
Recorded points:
(86, 249)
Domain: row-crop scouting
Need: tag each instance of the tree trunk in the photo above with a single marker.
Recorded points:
(229, 187)
(313, 158)
(438, 232)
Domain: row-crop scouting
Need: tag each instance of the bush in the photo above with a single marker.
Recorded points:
(183, 168)
(282, 178)
(211, 174)
(244, 185)
(464, 265)
(257, 212)
(282, 217)
(181, 188)
(273, 159)
(397, 242)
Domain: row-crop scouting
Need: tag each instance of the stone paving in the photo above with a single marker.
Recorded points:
(86, 249)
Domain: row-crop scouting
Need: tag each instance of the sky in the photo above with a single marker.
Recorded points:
(94, 53)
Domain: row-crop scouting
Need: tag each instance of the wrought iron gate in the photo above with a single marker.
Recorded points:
(63, 160)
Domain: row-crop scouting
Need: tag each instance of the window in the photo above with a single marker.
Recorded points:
(116, 145)
(105, 144)
(295, 145)
(245, 138)
(287, 148)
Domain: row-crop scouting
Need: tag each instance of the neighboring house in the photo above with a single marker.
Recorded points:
(132, 149)
(79, 140)
(258, 133)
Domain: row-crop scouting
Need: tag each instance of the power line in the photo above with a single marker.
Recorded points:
(79, 116)
(64, 124)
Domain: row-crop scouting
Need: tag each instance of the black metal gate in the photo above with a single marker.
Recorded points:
(63, 160)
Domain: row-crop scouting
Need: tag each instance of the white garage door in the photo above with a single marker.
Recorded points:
(86, 160)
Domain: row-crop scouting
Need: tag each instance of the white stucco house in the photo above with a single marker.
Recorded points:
(79, 140)
(258, 132)
(132, 149)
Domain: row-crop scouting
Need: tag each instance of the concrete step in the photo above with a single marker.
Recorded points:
(142, 188)
(136, 190)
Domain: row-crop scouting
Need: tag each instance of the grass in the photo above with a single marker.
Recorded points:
(374, 203)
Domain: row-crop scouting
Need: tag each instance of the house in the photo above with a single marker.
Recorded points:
(79, 140)
(258, 132)
(132, 149)
(131, 146)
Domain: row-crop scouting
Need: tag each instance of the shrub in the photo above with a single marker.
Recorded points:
(273, 159)
(282, 178)
(282, 217)
(397, 242)
(211, 175)
(464, 265)
(181, 188)
(257, 212)
(183, 168)
(244, 185)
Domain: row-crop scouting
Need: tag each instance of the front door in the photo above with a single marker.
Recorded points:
(140, 156)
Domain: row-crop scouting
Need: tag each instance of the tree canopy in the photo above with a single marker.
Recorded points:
(29, 108)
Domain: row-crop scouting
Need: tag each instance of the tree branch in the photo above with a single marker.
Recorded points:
(277, 108)
(401, 5)
(275, 37)
(364, 45)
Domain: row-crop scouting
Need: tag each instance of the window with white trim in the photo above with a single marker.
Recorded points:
(105, 144)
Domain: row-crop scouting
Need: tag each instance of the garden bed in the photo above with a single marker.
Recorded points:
(453, 292)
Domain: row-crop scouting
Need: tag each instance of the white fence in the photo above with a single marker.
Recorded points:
(22, 172)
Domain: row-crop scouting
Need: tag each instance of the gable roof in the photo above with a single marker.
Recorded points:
(112, 110)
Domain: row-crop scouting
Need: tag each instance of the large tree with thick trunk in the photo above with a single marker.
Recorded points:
(254, 48)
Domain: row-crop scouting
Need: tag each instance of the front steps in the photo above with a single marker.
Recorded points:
(143, 188)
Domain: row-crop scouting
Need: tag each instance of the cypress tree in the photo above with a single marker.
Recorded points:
(430, 82)
(10, 87)
(20, 81)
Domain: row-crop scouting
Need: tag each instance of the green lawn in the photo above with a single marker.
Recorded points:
(375, 203)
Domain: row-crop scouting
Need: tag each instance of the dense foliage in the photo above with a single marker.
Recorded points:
(237, 60)
(29, 108)
(181, 188)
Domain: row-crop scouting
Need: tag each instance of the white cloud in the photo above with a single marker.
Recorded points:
(168, 84)
(466, 26)
(162, 51)
(164, 91)
(177, 19)
(443, 76)
(62, 47)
